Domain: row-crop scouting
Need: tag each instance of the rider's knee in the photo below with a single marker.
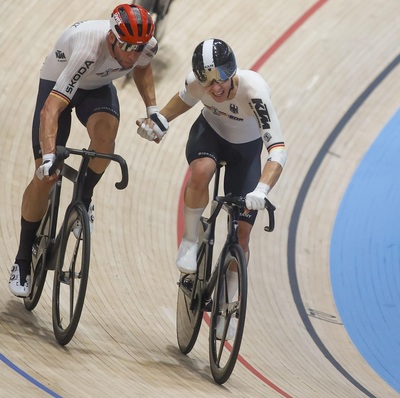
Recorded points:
(42, 186)
(244, 231)
(202, 171)
(102, 128)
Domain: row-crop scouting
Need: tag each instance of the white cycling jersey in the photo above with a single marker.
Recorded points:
(249, 115)
(80, 59)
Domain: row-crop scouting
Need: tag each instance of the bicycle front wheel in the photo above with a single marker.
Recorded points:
(71, 274)
(228, 314)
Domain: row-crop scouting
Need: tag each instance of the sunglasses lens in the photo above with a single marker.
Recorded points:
(208, 83)
(128, 47)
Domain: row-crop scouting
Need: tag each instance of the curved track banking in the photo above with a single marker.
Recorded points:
(335, 85)
(293, 228)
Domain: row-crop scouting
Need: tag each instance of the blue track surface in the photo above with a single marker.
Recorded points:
(365, 255)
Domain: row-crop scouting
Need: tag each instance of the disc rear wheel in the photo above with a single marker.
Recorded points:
(189, 310)
(38, 273)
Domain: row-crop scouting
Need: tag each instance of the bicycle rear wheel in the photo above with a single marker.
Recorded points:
(71, 275)
(38, 267)
(190, 305)
(228, 315)
(38, 273)
(189, 309)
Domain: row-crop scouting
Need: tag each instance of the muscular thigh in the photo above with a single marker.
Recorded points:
(243, 167)
(89, 102)
(202, 142)
(243, 172)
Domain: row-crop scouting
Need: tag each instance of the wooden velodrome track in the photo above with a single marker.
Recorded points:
(318, 57)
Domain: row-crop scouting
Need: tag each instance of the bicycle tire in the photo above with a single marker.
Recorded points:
(38, 268)
(223, 353)
(189, 313)
(190, 305)
(71, 275)
(38, 273)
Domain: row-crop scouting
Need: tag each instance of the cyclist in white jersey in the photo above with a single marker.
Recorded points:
(238, 118)
(78, 74)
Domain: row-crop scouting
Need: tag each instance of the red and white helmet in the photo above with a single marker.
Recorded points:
(132, 24)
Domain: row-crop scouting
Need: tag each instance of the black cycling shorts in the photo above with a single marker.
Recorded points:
(243, 161)
(85, 102)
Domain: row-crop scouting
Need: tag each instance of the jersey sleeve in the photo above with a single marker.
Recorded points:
(80, 52)
(192, 93)
(267, 118)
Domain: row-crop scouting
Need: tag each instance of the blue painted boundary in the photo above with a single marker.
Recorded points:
(295, 220)
(27, 377)
(365, 255)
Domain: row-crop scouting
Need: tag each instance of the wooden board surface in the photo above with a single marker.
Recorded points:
(319, 58)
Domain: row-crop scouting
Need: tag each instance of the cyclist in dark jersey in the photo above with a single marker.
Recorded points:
(78, 74)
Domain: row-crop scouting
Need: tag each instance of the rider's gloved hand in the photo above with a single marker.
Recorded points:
(160, 125)
(144, 130)
(256, 200)
(47, 162)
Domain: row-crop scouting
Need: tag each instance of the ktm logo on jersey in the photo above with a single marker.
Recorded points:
(81, 71)
(261, 111)
(60, 56)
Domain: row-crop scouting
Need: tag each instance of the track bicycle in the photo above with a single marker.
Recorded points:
(158, 9)
(68, 255)
(207, 289)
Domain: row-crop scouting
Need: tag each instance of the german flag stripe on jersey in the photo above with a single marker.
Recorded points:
(60, 96)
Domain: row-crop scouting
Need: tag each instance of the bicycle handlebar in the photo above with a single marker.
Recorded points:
(64, 152)
(240, 201)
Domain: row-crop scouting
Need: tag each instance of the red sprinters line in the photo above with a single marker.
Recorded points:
(289, 32)
(260, 62)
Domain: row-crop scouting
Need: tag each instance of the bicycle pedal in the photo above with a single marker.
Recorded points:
(208, 305)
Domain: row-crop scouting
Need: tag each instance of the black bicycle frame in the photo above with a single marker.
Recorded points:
(207, 275)
(54, 238)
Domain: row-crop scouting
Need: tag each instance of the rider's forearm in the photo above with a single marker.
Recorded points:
(48, 132)
(49, 115)
(271, 173)
(174, 108)
(144, 81)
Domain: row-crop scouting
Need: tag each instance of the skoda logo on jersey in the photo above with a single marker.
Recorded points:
(233, 108)
(81, 71)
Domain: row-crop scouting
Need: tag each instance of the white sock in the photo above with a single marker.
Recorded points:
(232, 282)
(192, 219)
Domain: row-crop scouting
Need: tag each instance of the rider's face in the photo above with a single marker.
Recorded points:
(219, 90)
(125, 58)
